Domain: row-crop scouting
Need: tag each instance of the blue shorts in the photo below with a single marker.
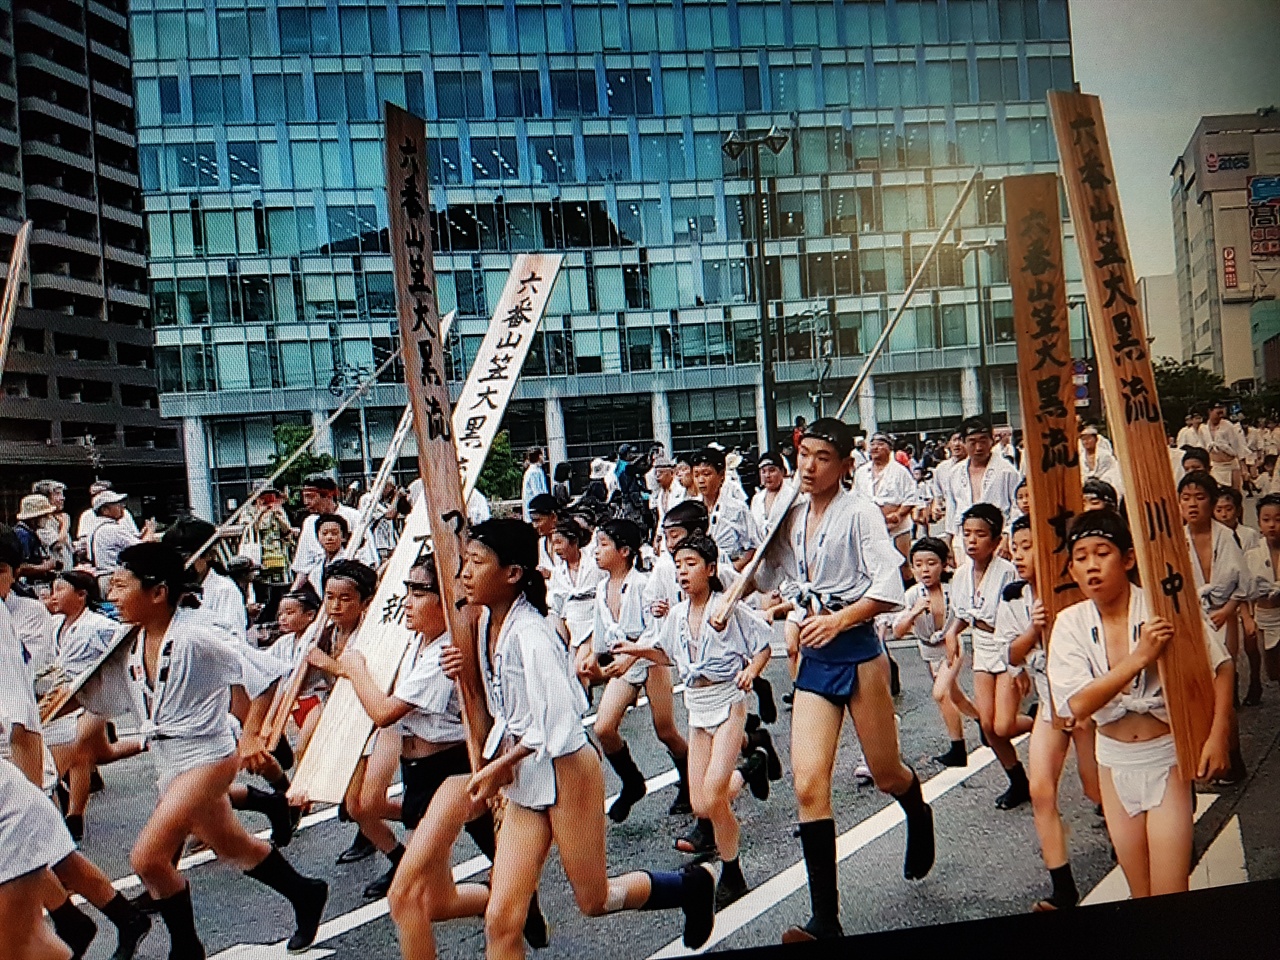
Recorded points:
(831, 671)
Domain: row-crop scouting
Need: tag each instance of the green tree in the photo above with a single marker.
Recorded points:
(289, 437)
(500, 477)
(1182, 385)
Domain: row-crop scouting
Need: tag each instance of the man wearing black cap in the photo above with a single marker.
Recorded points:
(320, 495)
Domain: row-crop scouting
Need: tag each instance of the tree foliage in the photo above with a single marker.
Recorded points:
(500, 477)
(288, 438)
(1182, 385)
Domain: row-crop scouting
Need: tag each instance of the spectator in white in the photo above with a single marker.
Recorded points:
(656, 452)
(733, 482)
(859, 451)
(32, 621)
(1004, 444)
(320, 495)
(535, 480)
(60, 546)
(1096, 463)
(382, 523)
(597, 484)
(684, 476)
(666, 493)
(766, 504)
(982, 478)
(1226, 447)
(889, 485)
(1193, 433)
(944, 503)
(90, 519)
(114, 532)
(477, 507)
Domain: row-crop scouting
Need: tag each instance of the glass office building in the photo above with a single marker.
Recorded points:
(594, 128)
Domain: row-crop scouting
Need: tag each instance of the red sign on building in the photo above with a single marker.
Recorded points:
(1230, 279)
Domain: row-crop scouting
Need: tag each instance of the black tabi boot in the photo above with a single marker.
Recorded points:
(378, 888)
(1019, 791)
(276, 809)
(633, 785)
(75, 827)
(764, 741)
(764, 697)
(818, 839)
(957, 756)
(918, 860)
(308, 897)
(180, 919)
(700, 840)
(755, 771)
(680, 806)
(131, 926)
(361, 849)
(73, 927)
(1064, 896)
(732, 885)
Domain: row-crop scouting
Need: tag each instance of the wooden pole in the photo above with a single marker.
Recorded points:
(1133, 409)
(1042, 334)
(12, 285)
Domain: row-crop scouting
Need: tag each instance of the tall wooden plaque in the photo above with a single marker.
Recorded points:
(1133, 410)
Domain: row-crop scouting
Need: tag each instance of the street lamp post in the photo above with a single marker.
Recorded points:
(984, 371)
(820, 347)
(734, 147)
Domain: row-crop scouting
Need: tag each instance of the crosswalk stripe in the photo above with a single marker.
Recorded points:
(783, 884)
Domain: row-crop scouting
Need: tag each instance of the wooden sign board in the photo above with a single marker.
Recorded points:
(63, 698)
(1133, 409)
(12, 287)
(1045, 389)
(461, 439)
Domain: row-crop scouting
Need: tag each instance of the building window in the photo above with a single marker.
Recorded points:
(738, 89)
(573, 93)
(700, 416)
(630, 92)
(494, 158)
(553, 159)
(607, 156)
(459, 94)
(517, 93)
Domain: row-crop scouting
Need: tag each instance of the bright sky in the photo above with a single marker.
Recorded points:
(1159, 65)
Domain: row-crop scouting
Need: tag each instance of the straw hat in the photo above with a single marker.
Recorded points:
(34, 506)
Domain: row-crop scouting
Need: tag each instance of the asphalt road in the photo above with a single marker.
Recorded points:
(988, 860)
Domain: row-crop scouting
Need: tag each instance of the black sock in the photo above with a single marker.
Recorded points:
(75, 826)
(708, 829)
(179, 918)
(277, 873)
(121, 911)
(74, 928)
(665, 889)
(396, 855)
(912, 799)
(283, 754)
(481, 831)
(958, 747)
(731, 872)
(1017, 774)
(1065, 893)
(259, 801)
(818, 840)
(280, 784)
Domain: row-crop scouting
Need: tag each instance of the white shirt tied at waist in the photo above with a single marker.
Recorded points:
(634, 619)
(999, 487)
(80, 643)
(732, 527)
(848, 557)
(1227, 577)
(571, 594)
(1078, 656)
(890, 485)
(436, 716)
(533, 700)
(978, 600)
(716, 656)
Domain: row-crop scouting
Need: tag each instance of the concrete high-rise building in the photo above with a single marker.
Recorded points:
(79, 391)
(595, 128)
(1226, 195)
(1158, 300)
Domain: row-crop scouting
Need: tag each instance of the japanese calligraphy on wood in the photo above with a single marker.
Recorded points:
(1133, 410)
(326, 769)
(1043, 337)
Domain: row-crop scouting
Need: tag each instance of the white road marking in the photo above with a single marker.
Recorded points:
(1114, 887)
(345, 923)
(782, 885)
(1223, 863)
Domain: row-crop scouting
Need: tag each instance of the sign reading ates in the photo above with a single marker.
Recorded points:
(1046, 382)
(1133, 410)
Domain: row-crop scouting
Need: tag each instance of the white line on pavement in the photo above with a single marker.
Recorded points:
(1114, 887)
(782, 885)
(345, 923)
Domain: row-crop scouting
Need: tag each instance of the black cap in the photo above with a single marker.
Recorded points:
(771, 458)
(832, 431)
(544, 505)
(974, 426)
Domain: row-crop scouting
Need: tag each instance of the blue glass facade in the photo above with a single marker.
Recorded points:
(594, 128)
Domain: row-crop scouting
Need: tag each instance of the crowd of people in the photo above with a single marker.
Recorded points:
(662, 574)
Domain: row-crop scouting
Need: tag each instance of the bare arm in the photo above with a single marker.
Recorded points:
(382, 708)
(1152, 639)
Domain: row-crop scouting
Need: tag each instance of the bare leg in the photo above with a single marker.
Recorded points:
(1010, 721)
(423, 890)
(718, 781)
(1087, 761)
(1169, 835)
(984, 695)
(618, 695)
(661, 708)
(815, 736)
(26, 935)
(871, 711)
(367, 801)
(162, 836)
(1048, 755)
(1129, 837)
